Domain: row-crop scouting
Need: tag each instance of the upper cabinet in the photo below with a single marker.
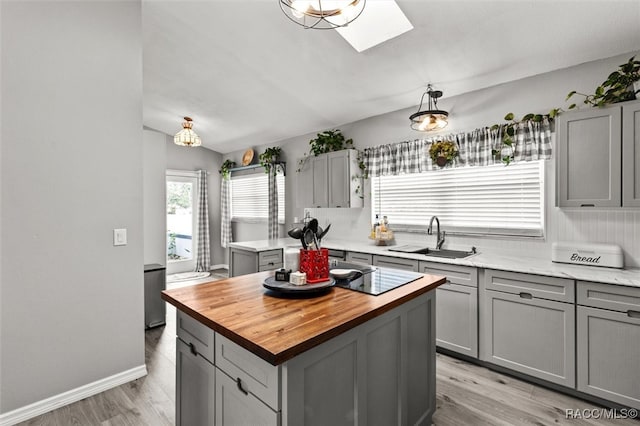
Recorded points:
(327, 180)
(631, 155)
(590, 169)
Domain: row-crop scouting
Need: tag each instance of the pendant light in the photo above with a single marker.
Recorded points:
(322, 14)
(432, 119)
(186, 136)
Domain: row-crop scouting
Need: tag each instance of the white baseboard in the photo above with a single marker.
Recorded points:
(219, 266)
(37, 408)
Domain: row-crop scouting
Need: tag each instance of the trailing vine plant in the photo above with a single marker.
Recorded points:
(327, 141)
(269, 156)
(226, 166)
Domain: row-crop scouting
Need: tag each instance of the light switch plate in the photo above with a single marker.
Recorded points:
(120, 237)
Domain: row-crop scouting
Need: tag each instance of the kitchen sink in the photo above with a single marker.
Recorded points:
(446, 253)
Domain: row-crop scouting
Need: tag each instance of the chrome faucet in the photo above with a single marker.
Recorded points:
(440, 235)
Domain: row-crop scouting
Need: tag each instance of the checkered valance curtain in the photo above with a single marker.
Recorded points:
(532, 141)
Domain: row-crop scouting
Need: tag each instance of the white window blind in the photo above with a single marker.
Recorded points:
(250, 197)
(499, 200)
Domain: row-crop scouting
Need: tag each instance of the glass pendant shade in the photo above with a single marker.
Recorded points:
(322, 14)
(432, 119)
(186, 136)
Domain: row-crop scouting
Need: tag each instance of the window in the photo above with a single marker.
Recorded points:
(498, 200)
(250, 197)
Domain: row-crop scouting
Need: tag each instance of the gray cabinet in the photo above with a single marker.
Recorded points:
(590, 171)
(631, 155)
(529, 325)
(608, 342)
(235, 406)
(356, 257)
(395, 263)
(195, 387)
(242, 262)
(330, 179)
(320, 188)
(456, 307)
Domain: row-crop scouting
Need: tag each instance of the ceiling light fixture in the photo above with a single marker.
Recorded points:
(186, 136)
(322, 14)
(432, 119)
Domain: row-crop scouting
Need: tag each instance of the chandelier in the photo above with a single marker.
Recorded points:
(186, 136)
(322, 14)
(431, 119)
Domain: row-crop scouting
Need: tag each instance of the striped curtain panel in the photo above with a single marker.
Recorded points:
(272, 218)
(225, 212)
(532, 141)
(203, 255)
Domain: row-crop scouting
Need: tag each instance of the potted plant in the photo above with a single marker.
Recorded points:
(620, 86)
(269, 156)
(327, 141)
(226, 166)
(443, 152)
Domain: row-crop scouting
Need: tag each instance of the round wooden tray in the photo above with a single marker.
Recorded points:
(286, 288)
(247, 158)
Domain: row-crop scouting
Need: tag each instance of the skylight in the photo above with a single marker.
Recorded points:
(380, 21)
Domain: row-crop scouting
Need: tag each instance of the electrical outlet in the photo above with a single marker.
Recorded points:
(120, 237)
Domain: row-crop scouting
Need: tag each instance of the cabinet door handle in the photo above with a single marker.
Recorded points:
(240, 388)
(526, 295)
(633, 314)
(192, 349)
(587, 205)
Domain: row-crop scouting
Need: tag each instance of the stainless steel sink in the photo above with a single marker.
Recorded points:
(449, 254)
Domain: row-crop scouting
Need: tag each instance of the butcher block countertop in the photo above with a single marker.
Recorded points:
(278, 329)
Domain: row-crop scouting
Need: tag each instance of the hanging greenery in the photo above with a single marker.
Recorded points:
(443, 152)
(226, 166)
(269, 156)
(327, 141)
(618, 87)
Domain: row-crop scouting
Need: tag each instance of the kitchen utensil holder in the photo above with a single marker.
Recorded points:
(316, 264)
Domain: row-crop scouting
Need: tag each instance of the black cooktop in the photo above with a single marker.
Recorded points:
(378, 281)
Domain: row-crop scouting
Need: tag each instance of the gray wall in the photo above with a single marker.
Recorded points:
(154, 202)
(537, 94)
(71, 307)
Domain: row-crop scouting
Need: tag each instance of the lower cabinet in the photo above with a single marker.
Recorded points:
(236, 406)
(608, 337)
(356, 257)
(527, 333)
(395, 262)
(456, 307)
(243, 262)
(195, 387)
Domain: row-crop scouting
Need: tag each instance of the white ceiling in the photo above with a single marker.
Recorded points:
(249, 76)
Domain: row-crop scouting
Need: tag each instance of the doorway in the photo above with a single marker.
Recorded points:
(182, 210)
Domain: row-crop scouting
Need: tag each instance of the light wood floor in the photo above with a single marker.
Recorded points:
(466, 395)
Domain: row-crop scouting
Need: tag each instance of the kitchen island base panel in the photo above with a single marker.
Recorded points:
(381, 372)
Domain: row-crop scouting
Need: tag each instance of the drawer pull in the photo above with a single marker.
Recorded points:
(526, 295)
(271, 263)
(587, 205)
(240, 388)
(633, 314)
(192, 349)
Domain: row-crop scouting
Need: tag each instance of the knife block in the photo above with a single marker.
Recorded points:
(315, 263)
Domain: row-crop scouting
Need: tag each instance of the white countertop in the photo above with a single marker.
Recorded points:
(531, 265)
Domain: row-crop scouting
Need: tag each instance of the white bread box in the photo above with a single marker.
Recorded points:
(591, 254)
